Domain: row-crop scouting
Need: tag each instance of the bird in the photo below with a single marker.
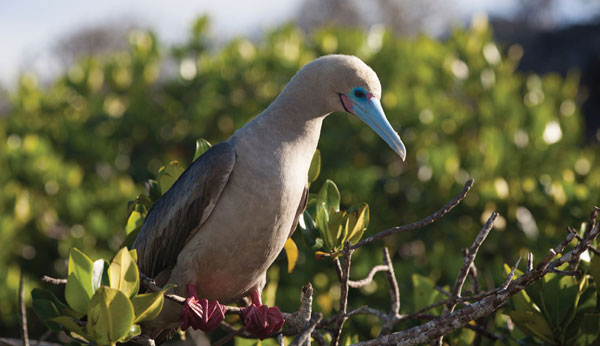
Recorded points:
(222, 224)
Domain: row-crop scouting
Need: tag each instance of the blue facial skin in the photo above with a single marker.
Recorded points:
(368, 109)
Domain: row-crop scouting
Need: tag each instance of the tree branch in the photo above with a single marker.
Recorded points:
(421, 223)
(23, 312)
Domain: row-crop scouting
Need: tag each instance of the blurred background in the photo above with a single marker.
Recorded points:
(95, 98)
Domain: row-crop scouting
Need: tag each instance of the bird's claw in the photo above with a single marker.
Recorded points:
(262, 320)
(200, 313)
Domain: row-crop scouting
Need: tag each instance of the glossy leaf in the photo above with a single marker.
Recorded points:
(63, 309)
(167, 175)
(335, 229)
(147, 306)
(357, 221)
(70, 324)
(330, 195)
(46, 309)
(291, 252)
(135, 221)
(595, 268)
(153, 190)
(78, 289)
(133, 331)
(308, 229)
(533, 323)
(202, 145)
(123, 273)
(315, 167)
(110, 316)
(322, 225)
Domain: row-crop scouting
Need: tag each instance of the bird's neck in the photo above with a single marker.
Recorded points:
(287, 132)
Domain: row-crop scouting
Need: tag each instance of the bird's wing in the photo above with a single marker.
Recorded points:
(180, 212)
(300, 210)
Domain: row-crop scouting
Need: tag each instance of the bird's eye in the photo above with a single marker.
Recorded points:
(359, 93)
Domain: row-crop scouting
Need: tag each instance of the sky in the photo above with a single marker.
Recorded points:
(30, 27)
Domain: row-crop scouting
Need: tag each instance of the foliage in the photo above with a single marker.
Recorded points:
(106, 295)
(74, 151)
(560, 310)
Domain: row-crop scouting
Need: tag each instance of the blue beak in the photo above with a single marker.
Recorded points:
(370, 111)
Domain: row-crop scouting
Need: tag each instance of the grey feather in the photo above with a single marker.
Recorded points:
(182, 210)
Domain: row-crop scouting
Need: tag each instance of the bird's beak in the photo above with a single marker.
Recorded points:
(371, 112)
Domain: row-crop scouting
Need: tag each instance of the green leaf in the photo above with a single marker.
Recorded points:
(135, 221)
(322, 225)
(153, 190)
(521, 301)
(202, 145)
(141, 203)
(46, 310)
(147, 305)
(133, 254)
(133, 331)
(424, 293)
(70, 324)
(64, 309)
(79, 290)
(291, 252)
(308, 228)
(76, 295)
(357, 221)
(330, 195)
(334, 226)
(533, 323)
(595, 268)
(167, 175)
(315, 167)
(123, 273)
(110, 316)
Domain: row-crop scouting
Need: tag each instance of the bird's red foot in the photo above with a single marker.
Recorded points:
(260, 319)
(200, 313)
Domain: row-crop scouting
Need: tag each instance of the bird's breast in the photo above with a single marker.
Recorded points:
(247, 229)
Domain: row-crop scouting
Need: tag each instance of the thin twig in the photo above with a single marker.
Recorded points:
(421, 223)
(566, 272)
(23, 311)
(392, 317)
(433, 329)
(367, 280)
(53, 281)
(529, 262)
(347, 254)
(591, 248)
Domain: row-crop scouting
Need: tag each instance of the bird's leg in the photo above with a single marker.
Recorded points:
(260, 319)
(200, 313)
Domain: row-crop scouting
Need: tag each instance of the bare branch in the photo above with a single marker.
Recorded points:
(369, 278)
(23, 311)
(53, 281)
(392, 282)
(304, 335)
(529, 262)
(347, 254)
(421, 223)
(591, 248)
(433, 329)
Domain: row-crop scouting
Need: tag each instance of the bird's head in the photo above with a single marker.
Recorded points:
(352, 86)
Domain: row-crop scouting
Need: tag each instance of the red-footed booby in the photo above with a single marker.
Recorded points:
(224, 221)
